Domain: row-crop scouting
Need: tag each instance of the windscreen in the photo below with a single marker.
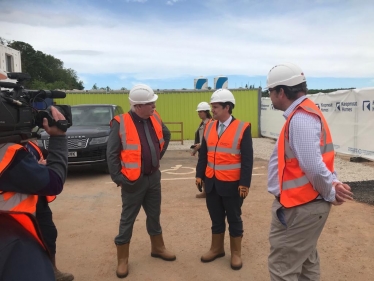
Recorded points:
(91, 115)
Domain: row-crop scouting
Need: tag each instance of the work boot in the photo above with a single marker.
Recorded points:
(236, 252)
(61, 276)
(217, 249)
(123, 259)
(159, 250)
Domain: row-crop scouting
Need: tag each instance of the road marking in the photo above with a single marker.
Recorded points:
(255, 168)
(174, 179)
(176, 168)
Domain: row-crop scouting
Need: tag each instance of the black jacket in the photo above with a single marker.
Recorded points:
(228, 188)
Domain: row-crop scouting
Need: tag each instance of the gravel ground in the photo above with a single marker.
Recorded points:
(359, 175)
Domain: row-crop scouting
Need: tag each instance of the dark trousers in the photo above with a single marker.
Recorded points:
(21, 255)
(146, 193)
(220, 207)
(47, 227)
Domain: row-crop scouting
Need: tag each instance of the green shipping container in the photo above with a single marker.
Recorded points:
(176, 106)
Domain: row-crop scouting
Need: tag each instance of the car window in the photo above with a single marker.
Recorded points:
(91, 115)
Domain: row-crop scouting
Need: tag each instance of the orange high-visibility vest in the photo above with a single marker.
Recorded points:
(295, 188)
(131, 154)
(224, 158)
(49, 198)
(19, 206)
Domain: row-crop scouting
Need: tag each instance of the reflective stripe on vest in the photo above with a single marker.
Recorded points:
(13, 201)
(7, 152)
(131, 146)
(224, 159)
(295, 188)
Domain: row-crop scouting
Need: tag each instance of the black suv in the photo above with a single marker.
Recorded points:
(88, 136)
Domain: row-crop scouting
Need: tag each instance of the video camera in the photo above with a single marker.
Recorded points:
(18, 117)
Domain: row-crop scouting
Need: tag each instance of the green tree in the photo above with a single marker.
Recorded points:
(94, 87)
(45, 70)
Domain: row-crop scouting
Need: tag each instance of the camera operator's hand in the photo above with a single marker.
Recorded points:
(54, 131)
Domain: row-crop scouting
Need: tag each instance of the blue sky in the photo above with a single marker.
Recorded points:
(168, 43)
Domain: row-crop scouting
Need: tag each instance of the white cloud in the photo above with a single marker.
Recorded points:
(172, 2)
(138, 1)
(322, 43)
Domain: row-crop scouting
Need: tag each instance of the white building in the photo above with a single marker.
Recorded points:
(10, 61)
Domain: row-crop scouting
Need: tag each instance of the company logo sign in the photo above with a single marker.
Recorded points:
(345, 106)
(367, 105)
(325, 107)
(337, 106)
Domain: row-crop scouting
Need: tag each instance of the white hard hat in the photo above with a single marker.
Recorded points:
(203, 106)
(286, 74)
(222, 95)
(142, 94)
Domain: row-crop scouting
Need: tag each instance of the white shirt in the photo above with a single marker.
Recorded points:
(226, 123)
(304, 137)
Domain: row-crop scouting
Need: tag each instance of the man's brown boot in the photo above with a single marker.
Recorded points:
(217, 249)
(61, 276)
(123, 259)
(236, 252)
(159, 250)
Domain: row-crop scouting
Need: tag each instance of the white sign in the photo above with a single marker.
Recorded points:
(349, 113)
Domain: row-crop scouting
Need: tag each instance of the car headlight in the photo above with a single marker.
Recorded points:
(99, 140)
(40, 143)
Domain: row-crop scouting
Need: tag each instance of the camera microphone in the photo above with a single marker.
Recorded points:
(47, 94)
(57, 94)
(8, 85)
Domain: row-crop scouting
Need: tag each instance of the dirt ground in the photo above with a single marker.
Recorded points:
(87, 215)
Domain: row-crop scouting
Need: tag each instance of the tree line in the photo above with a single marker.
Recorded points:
(46, 71)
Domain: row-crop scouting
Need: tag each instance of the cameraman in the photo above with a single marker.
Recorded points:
(23, 253)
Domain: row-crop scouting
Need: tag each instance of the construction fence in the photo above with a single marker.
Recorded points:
(349, 113)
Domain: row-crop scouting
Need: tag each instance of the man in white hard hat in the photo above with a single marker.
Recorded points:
(301, 176)
(137, 141)
(225, 161)
(203, 110)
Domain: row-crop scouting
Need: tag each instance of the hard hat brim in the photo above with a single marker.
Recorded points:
(132, 102)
